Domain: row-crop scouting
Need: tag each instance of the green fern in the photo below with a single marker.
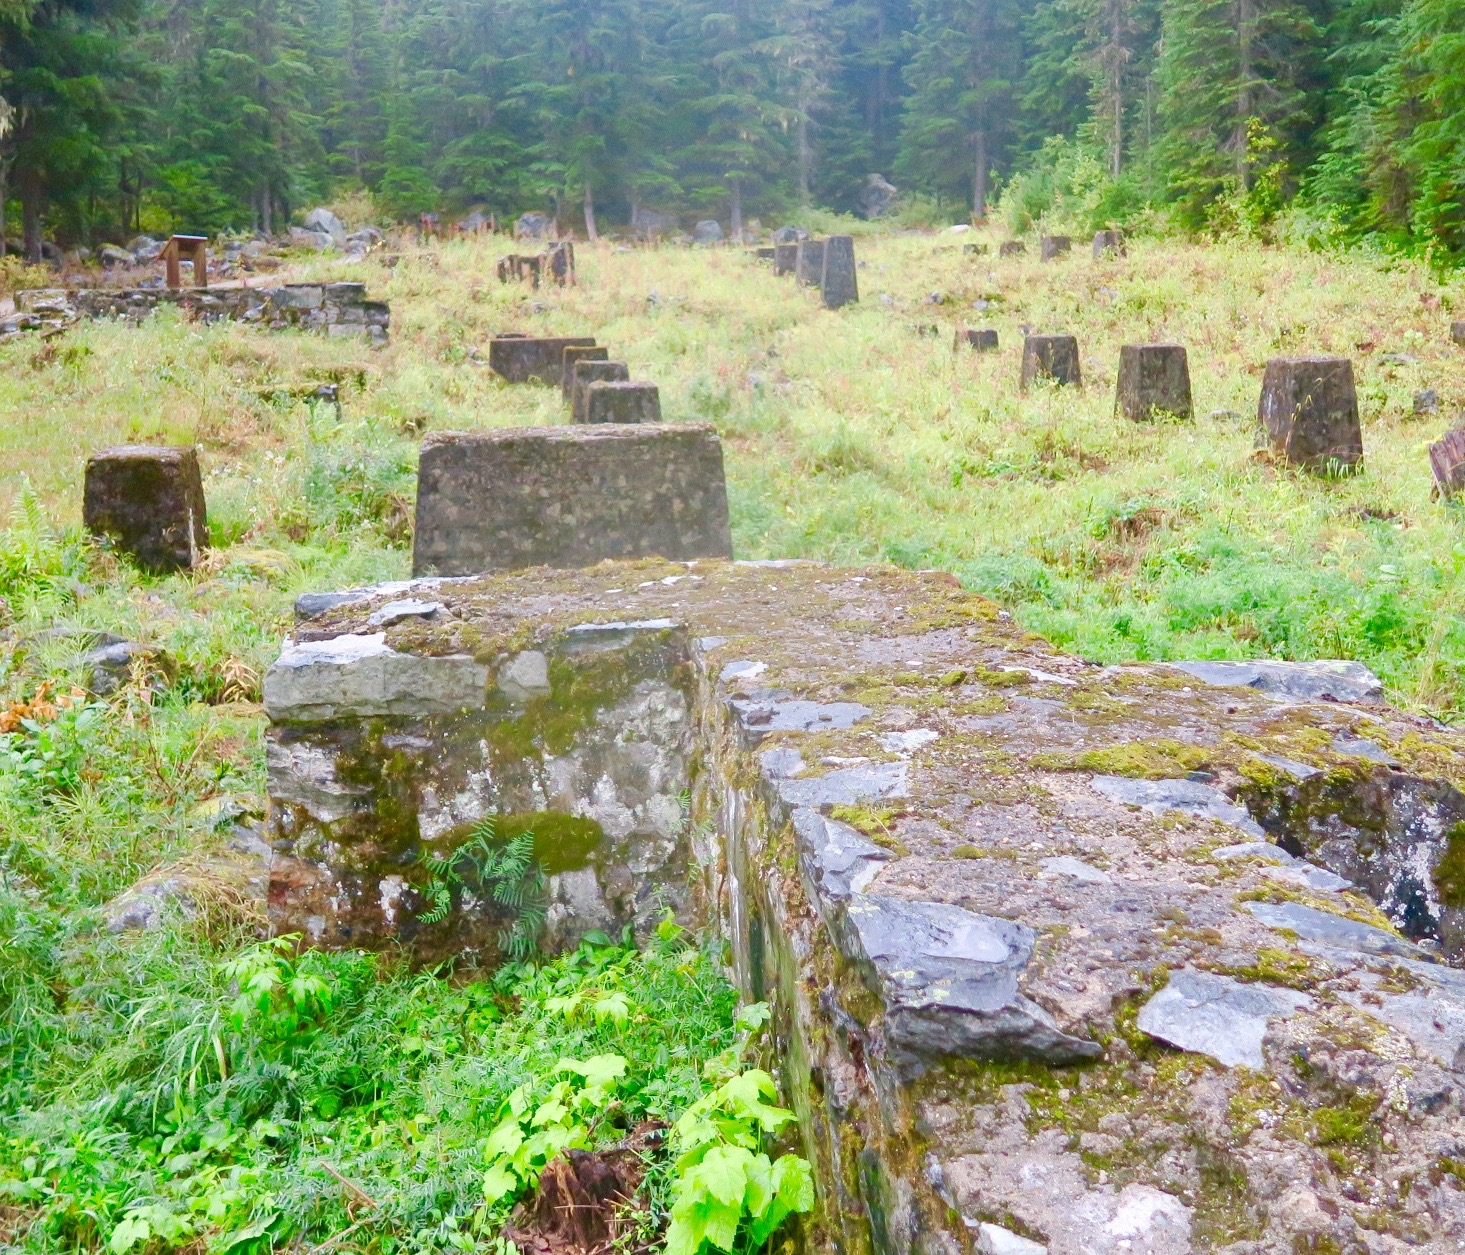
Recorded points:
(505, 871)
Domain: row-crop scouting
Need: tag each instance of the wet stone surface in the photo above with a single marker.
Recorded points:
(1119, 960)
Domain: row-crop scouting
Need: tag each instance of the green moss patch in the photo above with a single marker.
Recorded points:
(1143, 760)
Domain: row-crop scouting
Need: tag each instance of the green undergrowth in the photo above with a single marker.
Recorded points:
(179, 1093)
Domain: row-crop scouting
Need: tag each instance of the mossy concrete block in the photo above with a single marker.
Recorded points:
(572, 354)
(1457, 332)
(1309, 409)
(149, 501)
(587, 373)
(1011, 248)
(1108, 244)
(1154, 382)
(1053, 246)
(809, 262)
(1054, 358)
(838, 284)
(568, 497)
(785, 258)
(621, 401)
(520, 358)
(979, 339)
(1447, 461)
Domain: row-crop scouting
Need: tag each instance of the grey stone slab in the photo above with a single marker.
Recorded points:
(1433, 1020)
(357, 676)
(838, 860)
(525, 676)
(1253, 849)
(1326, 679)
(402, 610)
(569, 497)
(995, 1240)
(304, 775)
(1298, 771)
(948, 979)
(781, 764)
(1190, 797)
(838, 285)
(847, 786)
(1328, 929)
(1362, 747)
(770, 714)
(1217, 1016)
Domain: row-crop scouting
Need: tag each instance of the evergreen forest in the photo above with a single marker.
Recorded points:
(1332, 121)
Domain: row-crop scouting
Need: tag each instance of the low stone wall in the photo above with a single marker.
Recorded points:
(337, 309)
(1116, 960)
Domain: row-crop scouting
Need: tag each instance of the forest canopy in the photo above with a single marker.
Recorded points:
(1339, 119)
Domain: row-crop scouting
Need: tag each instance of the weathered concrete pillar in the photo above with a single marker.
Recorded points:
(1050, 357)
(1055, 246)
(148, 500)
(578, 353)
(762, 254)
(837, 282)
(809, 262)
(1011, 248)
(785, 258)
(982, 339)
(619, 401)
(1154, 380)
(1457, 332)
(519, 358)
(1309, 409)
(1108, 243)
(568, 497)
(587, 373)
(1447, 460)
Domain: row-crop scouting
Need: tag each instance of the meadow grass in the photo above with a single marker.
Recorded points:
(859, 435)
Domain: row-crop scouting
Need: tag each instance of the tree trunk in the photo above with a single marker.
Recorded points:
(265, 206)
(1115, 85)
(4, 193)
(737, 212)
(1245, 20)
(806, 156)
(979, 183)
(591, 233)
(30, 215)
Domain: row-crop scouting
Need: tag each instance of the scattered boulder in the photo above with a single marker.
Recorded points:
(1309, 408)
(1154, 380)
(145, 248)
(231, 884)
(1055, 246)
(113, 665)
(535, 226)
(877, 196)
(837, 285)
(568, 497)
(620, 401)
(149, 501)
(300, 237)
(1054, 358)
(1426, 402)
(1447, 460)
(708, 231)
(110, 255)
(789, 235)
(326, 223)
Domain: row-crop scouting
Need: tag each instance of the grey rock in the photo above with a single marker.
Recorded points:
(1253, 849)
(311, 605)
(1362, 747)
(652, 224)
(355, 676)
(318, 240)
(525, 675)
(1187, 796)
(304, 775)
(838, 861)
(770, 714)
(1432, 1020)
(781, 764)
(1327, 929)
(1324, 680)
(1426, 401)
(1066, 865)
(325, 222)
(708, 231)
(534, 226)
(789, 235)
(877, 196)
(400, 611)
(1298, 771)
(111, 666)
(848, 786)
(995, 1240)
(110, 255)
(948, 979)
(1217, 1016)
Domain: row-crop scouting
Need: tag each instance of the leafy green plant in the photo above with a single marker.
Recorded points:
(505, 871)
(532, 1132)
